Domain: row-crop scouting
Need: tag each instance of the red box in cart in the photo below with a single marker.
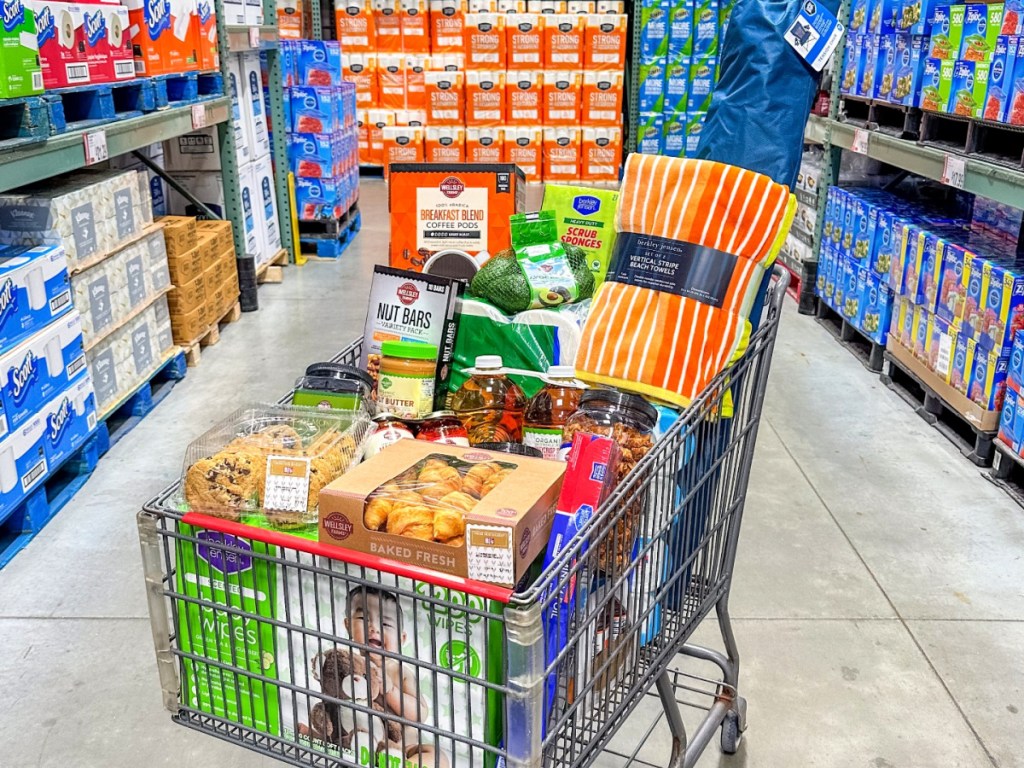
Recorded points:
(61, 36)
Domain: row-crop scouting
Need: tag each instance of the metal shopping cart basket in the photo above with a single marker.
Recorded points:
(323, 657)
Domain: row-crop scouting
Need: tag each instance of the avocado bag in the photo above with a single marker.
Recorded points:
(585, 218)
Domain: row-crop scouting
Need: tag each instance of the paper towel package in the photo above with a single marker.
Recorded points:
(58, 33)
(263, 183)
(253, 109)
(34, 290)
(209, 56)
(38, 369)
(250, 202)
(165, 35)
(23, 463)
(20, 72)
(68, 420)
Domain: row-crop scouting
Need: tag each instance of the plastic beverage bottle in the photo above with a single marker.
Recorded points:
(549, 410)
(490, 404)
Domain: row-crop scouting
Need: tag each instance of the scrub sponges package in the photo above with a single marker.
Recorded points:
(585, 218)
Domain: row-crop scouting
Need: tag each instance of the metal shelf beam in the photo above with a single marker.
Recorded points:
(66, 152)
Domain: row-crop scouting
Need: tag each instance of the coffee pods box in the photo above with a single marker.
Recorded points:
(505, 531)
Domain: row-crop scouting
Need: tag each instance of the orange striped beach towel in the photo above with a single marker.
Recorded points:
(695, 238)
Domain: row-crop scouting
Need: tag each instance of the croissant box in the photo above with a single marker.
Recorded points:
(505, 530)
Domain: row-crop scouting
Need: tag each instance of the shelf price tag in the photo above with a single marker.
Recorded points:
(95, 147)
(954, 169)
(254, 37)
(860, 141)
(198, 116)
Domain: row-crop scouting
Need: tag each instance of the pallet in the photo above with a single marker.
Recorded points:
(122, 417)
(869, 352)
(947, 132)
(23, 121)
(272, 270)
(23, 523)
(976, 444)
(328, 246)
(1008, 472)
(209, 337)
(371, 170)
(881, 116)
(187, 88)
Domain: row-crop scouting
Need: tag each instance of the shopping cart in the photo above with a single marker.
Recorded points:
(323, 657)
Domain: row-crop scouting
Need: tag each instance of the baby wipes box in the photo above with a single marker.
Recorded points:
(23, 463)
(68, 420)
(20, 72)
(34, 290)
(58, 32)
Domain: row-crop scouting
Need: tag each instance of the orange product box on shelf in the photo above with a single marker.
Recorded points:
(447, 62)
(563, 97)
(482, 6)
(602, 98)
(402, 144)
(512, 6)
(387, 24)
(391, 80)
(437, 207)
(445, 144)
(524, 147)
(485, 145)
(415, 24)
(447, 20)
(525, 99)
(416, 66)
(412, 117)
(377, 120)
(547, 6)
(363, 135)
(524, 40)
(485, 98)
(446, 99)
(605, 41)
(485, 41)
(563, 41)
(355, 27)
(209, 56)
(601, 156)
(361, 70)
(165, 36)
(562, 154)
(289, 19)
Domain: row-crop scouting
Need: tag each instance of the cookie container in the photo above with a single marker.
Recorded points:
(265, 465)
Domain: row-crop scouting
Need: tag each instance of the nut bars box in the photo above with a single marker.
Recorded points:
(439, 207)
(433, 505)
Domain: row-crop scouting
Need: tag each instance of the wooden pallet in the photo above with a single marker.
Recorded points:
(1008, 472)
(330, 247)
(868, 351)
(272, 270)
(210, 336)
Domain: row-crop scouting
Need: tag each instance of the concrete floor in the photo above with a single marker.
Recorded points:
(879, 594)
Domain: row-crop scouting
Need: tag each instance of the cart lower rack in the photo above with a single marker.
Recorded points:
(322, 657)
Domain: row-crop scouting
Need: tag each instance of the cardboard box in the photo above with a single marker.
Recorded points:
(234, 86)
(564, 37)
(165, 36)
(59, 30)
(946, 31)
(24, 464)
(414, 20)
(445, 144)
(20, 72)
(189, 327)
(421, 196)
(179, 234)
(524, 40)
(485, 98)
(563, 98)
(185, 297)
(314, 109)
(562, 154)
(355, 26)
(108, 42)
(525, 98)
(446, 98)
(1008, 433)
(1001, 79)
(266, 206)
(524, 149)
(221, 230)
(498, 547)
(1015, 374)
(252, 104)
(485, 145)
(484, 41)
(987, 387)
(936, 83)
(601, 154)
(34, 290)
(69, 419)
(206, 186)
(253, 13)
(250, 199)
(602, 98)
(186, 266)
(968, 88)
(605, 42)
(447, 25)
(981, 26)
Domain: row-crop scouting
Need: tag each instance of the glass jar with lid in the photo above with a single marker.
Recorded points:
(629, 419)
(407, 373)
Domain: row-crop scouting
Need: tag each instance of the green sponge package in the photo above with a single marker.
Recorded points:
(585, 218)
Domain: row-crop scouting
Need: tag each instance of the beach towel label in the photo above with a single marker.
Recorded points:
(672, 266)
(814, 34)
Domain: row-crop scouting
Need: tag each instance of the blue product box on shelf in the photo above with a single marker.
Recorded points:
(830, 275)
(885, 68)
(1015, 375)
(677, 82)
(650, 134)
(23, 463)
(868, 66)
(38, 369)
(34, 290)
(680, 30)
(887, 13)
(317, 199)
(839, 219)
(319, 62)
(865, 229)
(68, 420)
(694, 128)
(1003, 309)
(940, 346)
(911, 51)
(882, 252)
(849, 217)
(315, 155)
(916, 15)
(840, 289)
(289, 56)
(1000, 78)
(962, 365)
(654, 28)
(675, 134)
(851, 63)
(705, 27)
(702, 84)
(876, 306)
(950, 302)
(849, 276)
(988, 378)
(652, 84)
(826, 221)
(1007, 421)
(314, 109)
(860, 12)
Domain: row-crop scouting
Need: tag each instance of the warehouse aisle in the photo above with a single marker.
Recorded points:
(879, 595)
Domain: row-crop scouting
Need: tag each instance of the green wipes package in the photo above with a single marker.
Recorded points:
(585, 218)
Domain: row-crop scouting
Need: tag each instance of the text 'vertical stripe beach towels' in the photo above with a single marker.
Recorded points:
(695, 238)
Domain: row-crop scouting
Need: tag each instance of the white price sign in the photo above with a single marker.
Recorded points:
(860, 141)
(198, 116)
(954, 169)
(95, 147)
(254, 37)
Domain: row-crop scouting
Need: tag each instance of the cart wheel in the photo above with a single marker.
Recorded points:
(731, 733)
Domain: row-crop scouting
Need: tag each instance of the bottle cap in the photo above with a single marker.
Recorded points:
(562, 372)
(409, 349)
(488, 363)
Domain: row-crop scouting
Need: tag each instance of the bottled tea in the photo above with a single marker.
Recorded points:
(550, 409)
(490, 404)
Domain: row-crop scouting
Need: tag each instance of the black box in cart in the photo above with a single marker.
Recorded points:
(412, 306)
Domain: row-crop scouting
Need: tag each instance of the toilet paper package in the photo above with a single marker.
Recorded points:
(266, 205)
(106, 42)
(68, 420)
(40, 368)
(20, 72)
(34, 290)
(58, 34)
(253, 109)
(23, 463)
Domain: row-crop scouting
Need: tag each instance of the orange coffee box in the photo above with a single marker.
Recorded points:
(482, 6)
(391, 80)
(413, 117)
(402, 144)
(377, 121)
(363, 135)
(361, 69)
(445, 144)
(525, 99)
(547, 6)
(447, 19)
(601, 154)
(415, 23)
(511, 6)
(524, 147)
(387, 23)
(561, 154)
(605, 46)
(563, 41)
(485, 98)
(524, 40)
(445, 97)
(353, 20)
(416, 66)
(602, 98)
(563, 97)
(484, 38)
(485, 145)
(436, 207)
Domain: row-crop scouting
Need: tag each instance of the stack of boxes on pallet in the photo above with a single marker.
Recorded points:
(961, 59)
(538, 83)
(322, 136)
(194, 159)
(798, 246)
(680, 42)
(204, 271)
(1011, 418)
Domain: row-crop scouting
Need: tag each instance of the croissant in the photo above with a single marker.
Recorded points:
(439, 481)
(492, 481)
(458, 500)
(476, 477)
(377, 511)
(448, 523)
(413, 520)
(458, 541)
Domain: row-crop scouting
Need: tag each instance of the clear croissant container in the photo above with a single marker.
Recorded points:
(265, 465)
